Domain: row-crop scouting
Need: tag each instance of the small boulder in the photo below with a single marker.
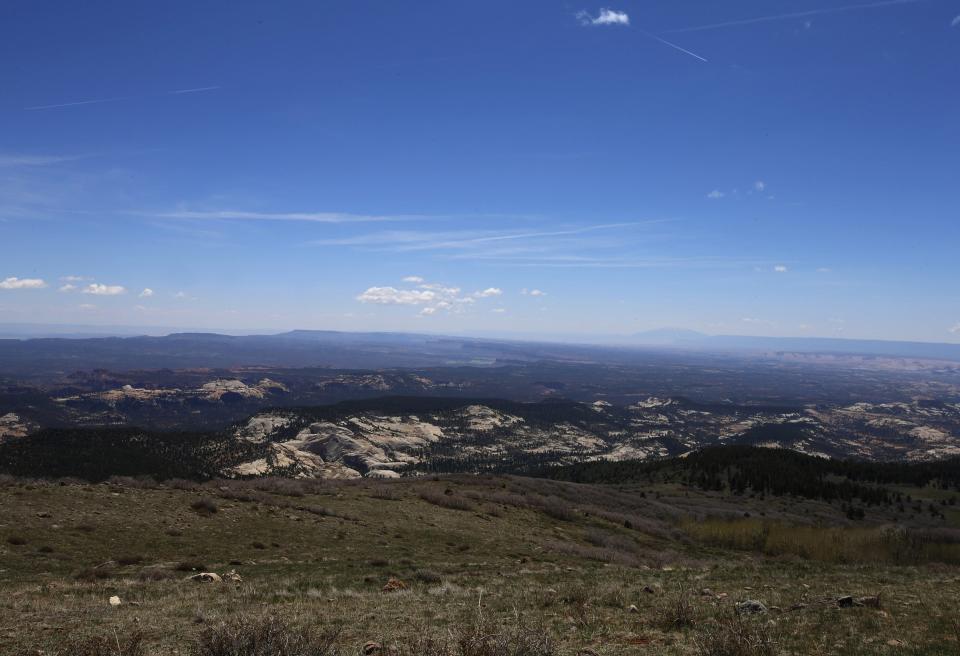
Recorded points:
(206, 577)
(751, 606)
(632, 608)
(649, 590)
(394, 584)
(869, 602)
(371, 648)
(706, 592)
(115, 600)
(233, 577)
(846, 601)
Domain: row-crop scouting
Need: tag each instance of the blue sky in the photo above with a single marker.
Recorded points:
(746, 167)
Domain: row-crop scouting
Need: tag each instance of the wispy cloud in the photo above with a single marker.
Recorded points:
(67, 288)
(414, 240)
(955, 22)
(146, 293)
(780, 268)
(605, 17)
(795, 14)
(22, 283)
(532, 292)
(315, 217)
(716, 194)
(13, 160)
(955, 329)
(98, 289)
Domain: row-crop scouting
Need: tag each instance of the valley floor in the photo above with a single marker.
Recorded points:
(589, 570)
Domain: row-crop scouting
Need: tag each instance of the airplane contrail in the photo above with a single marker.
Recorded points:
(673, 45)
(108, 100)
(796, 14)
(79, 102)
(196, 90)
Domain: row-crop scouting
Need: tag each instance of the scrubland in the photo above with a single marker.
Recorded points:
(467, 566)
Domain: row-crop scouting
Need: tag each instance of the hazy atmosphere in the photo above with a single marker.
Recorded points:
(755, 167)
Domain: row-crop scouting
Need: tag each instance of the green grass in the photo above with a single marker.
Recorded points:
(318, 555)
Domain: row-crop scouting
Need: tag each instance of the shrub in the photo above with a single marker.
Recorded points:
(734, 635)
(428, 576)
(678, 614)
(556, 509)
(129, 559)
(191, 566)
(205, 506)
(448, 501)
(265, 637)
(282, 486)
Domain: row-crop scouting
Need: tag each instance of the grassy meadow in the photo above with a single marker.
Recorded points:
(486, 566)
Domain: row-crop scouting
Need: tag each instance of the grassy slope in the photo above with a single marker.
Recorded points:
(322, 558)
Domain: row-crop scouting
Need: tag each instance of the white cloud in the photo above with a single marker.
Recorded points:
(67, 288)
(72, 278)
(434, 297)
(414, 279)
(780, 268)
(87, 306)
(104, 290)
(532, 292)
(955, 22)
(498, 310)
(146, 293)
(605, 17)
(956, 328)
(759, 185)
(394, 296)
(22, 283)
(823, 270)
(715, 194)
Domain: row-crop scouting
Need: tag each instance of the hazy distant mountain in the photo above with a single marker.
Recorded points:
(665, 336)
(303, 348)
(683, 338)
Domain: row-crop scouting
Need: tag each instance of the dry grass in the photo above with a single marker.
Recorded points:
(269, 636)
(469, 576)
(733, 634)
(830, 544)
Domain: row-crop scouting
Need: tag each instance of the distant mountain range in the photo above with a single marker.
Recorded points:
(300, 348)
(877, 347)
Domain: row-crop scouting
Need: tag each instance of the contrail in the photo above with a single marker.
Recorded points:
(672, 45)
(80, 102)
(197, 90)
(108, 100)
(796, 14)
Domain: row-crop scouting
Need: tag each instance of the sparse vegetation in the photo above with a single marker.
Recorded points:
(609, 578)
(265, 637)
